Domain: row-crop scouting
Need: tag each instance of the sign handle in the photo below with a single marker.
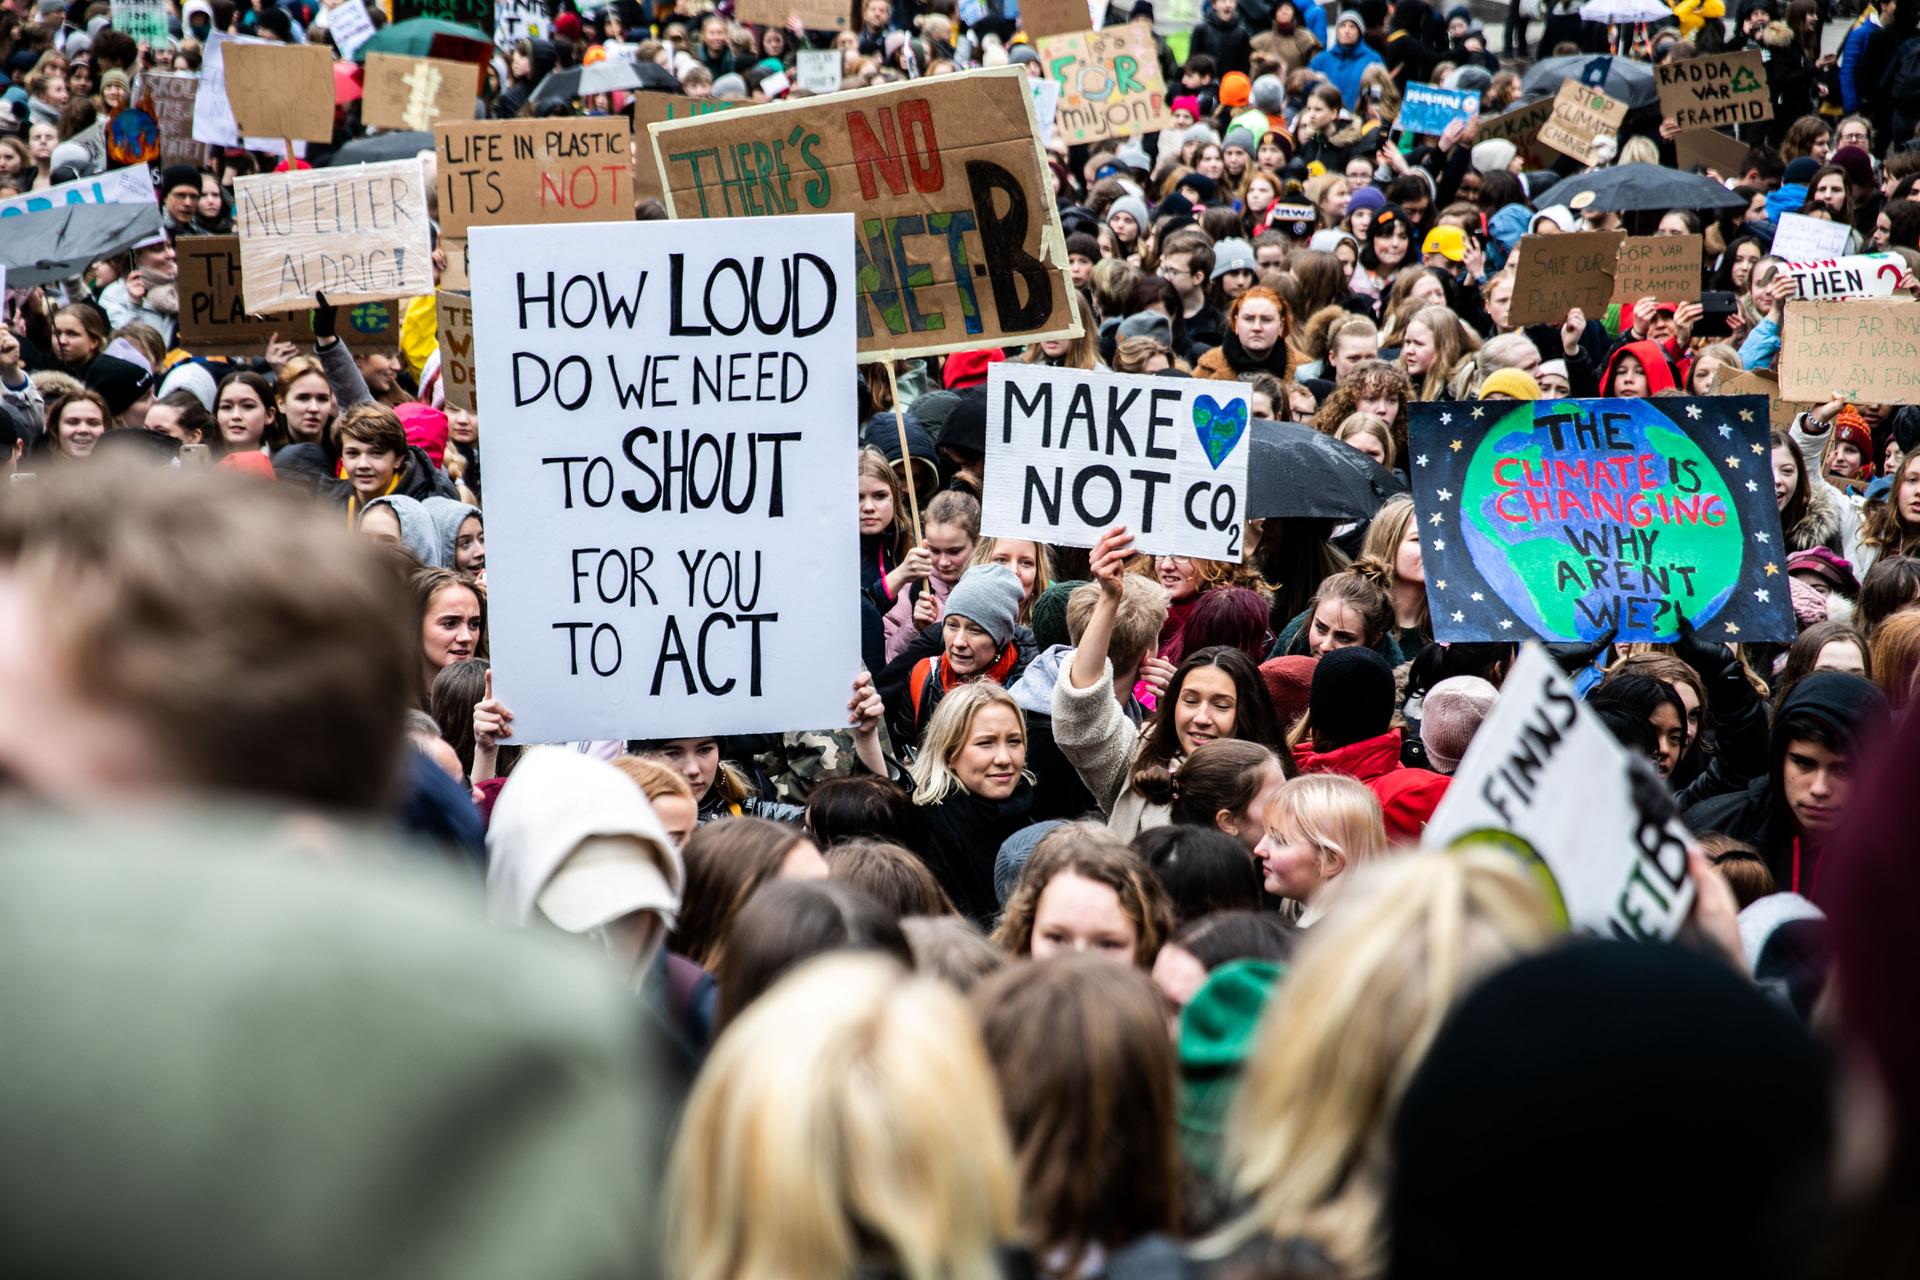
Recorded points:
(900, 425)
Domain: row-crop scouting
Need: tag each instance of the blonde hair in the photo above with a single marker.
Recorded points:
(1136, 625)
(1363, 999)
(1368, 424)
(1384, 535)
(946, 733)
(1042, 571)
(1335, 815)
(848, 1112)
(653, 778)
(1453, 342)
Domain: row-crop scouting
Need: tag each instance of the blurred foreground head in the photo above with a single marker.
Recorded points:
(168, 634)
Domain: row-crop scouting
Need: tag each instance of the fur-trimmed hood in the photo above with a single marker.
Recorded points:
(1821, 526)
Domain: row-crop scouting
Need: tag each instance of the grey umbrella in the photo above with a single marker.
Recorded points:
(1294, 470)
(1622, 78)
(54, 244)
(1628, 187)
(611, 75)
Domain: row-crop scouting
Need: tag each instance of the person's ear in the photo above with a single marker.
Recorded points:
(1224, 820)
(1332, 863)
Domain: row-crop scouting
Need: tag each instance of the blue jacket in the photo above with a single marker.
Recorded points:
(1344, 67)
(1851, 51)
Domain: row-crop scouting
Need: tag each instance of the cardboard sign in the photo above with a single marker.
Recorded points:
(814, 15)
(1715, 90)
(454, 312)
(650, 108)
(1428, 108)
(1521, 127)
(817, 71)
(1569, 519)
(213, 319)
(1710, 149)
(281, 90)
(1763, 382)
(666, 481)
(416, 93)
(350, 25)
(1860, 275)
(1558, 272)
(1546, 781)
(1800, 238)
(1583, 124)
(1043, 18)
(1110, 83)
(515, 20)
(958, 244)
(560, 170)
(456, 276)
(1664, 268)
(169, 99)
(144, 20)
(1864, 350)
(357, 234)
(132, 185)
(1070, 454)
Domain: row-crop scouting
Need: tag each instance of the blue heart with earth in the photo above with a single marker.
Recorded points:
(1219, 426)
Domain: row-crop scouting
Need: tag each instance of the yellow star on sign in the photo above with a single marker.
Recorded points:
(1437, 517)
(1733, 629)
(1772, 570)
(1733, 463)
(1758, 448)
(1746, 415)
(1456, 445)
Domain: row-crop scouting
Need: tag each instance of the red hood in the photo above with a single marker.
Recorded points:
(1366, 759)
(1651, 358)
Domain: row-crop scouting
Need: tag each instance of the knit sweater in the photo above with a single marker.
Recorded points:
(1101, 743)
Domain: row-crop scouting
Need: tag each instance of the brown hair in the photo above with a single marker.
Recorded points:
(891, 875)
(374, 424)
(1667, 669)
(1087, 1082)
(952, 949)
(1741, 866)
(62, 403)
(1365, 586)
(1883, 528)
(1896, 658)
(1223, 774)
(1092, 852)
(727, 859)
(1805, 651)
(1365, 380)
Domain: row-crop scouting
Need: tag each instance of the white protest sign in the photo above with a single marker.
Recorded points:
(350, 25)
(145, 21)
(213, 121)
(1546, 780)
(1046, 105)
(1798, 238)
(820, 70)
(671, 479)
(1860, 275)
(131, 185)
(1070, 454)
(518, 20)
(357, 234)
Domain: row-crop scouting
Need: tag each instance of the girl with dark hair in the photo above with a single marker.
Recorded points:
(1203, 870)
(1226, 785)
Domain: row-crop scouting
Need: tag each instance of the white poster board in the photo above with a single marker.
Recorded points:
(213, 121)
(820, 70)
(1545, 779)
(143, 20)
(671, 480)
(1046, 106)
(131, 185)
(356, 234)
(1860, 275)
(518, 20)
(1798, 238)
(1070, 454)
(350, 26)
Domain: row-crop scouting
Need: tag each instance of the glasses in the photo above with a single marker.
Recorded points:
(1170, 272)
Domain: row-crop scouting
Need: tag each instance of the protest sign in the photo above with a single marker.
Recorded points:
(1556, 273)
(1762, 382)
(1799, 238)
(1521, 127)
(454, 312)
(1043, 18)
(1865, 350)
(1571, 519)
(456, 275)
(116, 186)
(1046, 106)
(417, 93)
(1860, 275)
(169, 98)
(499, 171)
(666, 484)
(1110, 83)
(650, 107)
(212, 113)
(132, 137)
(1070, 454)
(465, 13)
(1545, 780)
(357, 234)
(959, 243)
(280, 90)
(1428, 108)
(213, 319)
(1715, 89)
(1584, 123)
(1664, 268)
(818, 71)
(145, 21)
(350, 25)
(1177, 17)
(93, 140)
(814, 15)
(518, 20)
(1711, 149)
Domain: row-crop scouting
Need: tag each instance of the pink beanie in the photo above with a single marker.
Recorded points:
(1449, 716)
(426, 426)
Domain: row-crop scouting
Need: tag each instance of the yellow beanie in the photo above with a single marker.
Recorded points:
(1510, 382)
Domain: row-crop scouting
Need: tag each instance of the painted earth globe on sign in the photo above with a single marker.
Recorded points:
(1586, 521)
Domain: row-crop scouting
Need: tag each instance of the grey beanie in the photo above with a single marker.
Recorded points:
(447, 516)
(1147, 324)
(1133, 205)
(416, 529)
(1269, 94)
(1241, 138)
(1135, 157)
(1233, 254)
(731, 84)
(1353, 16)
(1011, 862)
(1021, 54)
(990, 596)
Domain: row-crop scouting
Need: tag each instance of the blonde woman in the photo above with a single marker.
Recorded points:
(1318, 828)
(846, 1123)
(971, 782)
(1082, 352)
(1393, 538)
(1436, 351)
(1364, 996)
(1030, 560)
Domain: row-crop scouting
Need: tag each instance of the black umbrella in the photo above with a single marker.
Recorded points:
(54, 244)
(378, 147)
(610, 75)
(1623, 78)
(1629, 187)
(1299, 472)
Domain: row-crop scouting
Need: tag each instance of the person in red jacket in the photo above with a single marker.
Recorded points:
(1349, 729)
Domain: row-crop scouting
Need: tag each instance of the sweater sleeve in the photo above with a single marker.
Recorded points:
(343, 375)
(1094, 735)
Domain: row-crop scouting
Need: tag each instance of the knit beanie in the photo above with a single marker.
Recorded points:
(1352, 696)
(988, 595)
(1493, 155)
(1218, 1029)
(1082, 245)
(119, 382)
(1242, 138)
(1349, 15)
(1133, 205)
(1235, 89)
(425, 426)
(1269, 94)
(1517, 383)
(1011, 860)
(1289, 681)
(1449, 715)
(1372, 199)
(1049, 617)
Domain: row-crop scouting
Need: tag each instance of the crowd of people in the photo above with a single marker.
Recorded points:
(1099, 939)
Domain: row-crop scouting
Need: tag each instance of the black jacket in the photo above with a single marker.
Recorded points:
(963, 837)
(1229, 44)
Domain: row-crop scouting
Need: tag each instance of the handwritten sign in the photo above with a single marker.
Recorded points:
(958, 242)
(1762, 382)
(1110, 83)
(817, 71)
(465, 13)
(1710, 149)
(1070, 454)
(1043, 18)
(502, 171)
(454, 315)
(675, 554)
(1865, 350)
(1546, 781)
(143, 20)
(1569, 519)
(357, 234)
(1521, 127)
(814, 15)
(1664, 268)
(350, 25)
(416, 93)
(132, 185)
(1556, 273)
(1798, 237)
(213, 318)
(1714, 90)
(1583, 124)
(280, 90)
(1860, 275)
(1428, 108)
(515, 20)
(169, 99)
(650, 108)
